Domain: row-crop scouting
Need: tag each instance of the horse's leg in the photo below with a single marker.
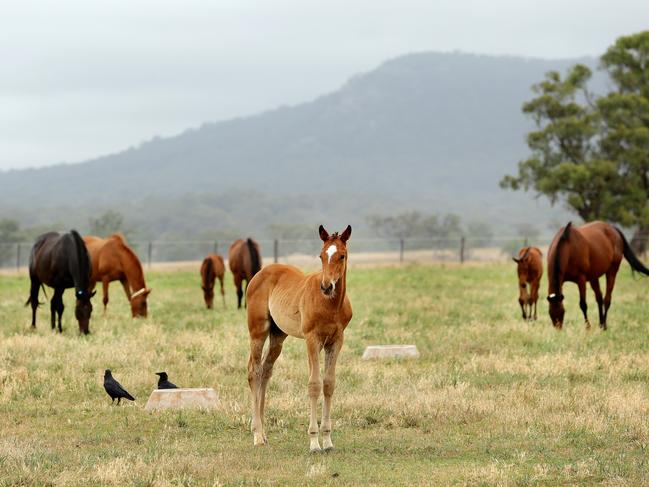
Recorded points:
(329, 383)
(534, 292)
(104, 286)
(57, 308)
(594, 283)
(582, 299)
(610, 284)
(258, 327)
(33, 297)
(313, 347)
(522, 298)
(276, 341)
(222, 290)
(237, 284)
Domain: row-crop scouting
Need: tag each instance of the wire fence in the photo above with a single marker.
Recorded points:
(305, 252)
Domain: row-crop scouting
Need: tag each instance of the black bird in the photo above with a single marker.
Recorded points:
(163, 381)
(115, 389)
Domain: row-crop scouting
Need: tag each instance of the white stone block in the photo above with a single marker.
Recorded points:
(205, 398)
(390, 351)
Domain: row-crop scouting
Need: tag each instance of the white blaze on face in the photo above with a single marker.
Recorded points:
(331, 251)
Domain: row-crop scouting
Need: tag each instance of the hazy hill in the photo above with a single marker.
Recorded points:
(429, 131)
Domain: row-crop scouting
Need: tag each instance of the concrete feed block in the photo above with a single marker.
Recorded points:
(390, 351)
(204, 398)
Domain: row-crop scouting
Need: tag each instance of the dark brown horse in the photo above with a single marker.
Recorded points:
(582, 255)
(530, 269)
(211, 268)
(61, 261)
(113, 260)
(244, 259)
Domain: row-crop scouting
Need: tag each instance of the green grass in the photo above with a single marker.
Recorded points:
(493, 400)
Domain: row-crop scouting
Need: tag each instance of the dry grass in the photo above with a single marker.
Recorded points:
(492, 400)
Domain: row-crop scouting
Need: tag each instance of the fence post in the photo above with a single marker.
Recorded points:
(401, 245)
(525, 242)
(149, 253)
(216, 247)
(462, 243)
(275, 250)
(18, 256)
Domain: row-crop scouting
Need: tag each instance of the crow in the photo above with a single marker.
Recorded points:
(163, 382)
(115, 389)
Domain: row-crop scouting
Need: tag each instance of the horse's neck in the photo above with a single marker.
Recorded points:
(132, 269)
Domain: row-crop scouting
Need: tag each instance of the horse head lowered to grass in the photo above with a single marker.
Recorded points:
(581, 255)
(61, 261)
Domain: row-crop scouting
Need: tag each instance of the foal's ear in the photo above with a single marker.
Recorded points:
(324, 236)
(516, 260)
(346, 234)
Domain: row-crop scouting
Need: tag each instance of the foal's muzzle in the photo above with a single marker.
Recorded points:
(326, 288)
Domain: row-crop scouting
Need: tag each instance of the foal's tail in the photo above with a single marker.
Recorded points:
(255, 260)
(207, 270)
(631, 258)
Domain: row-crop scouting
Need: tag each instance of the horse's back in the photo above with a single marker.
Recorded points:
(605, 247)
(219, 265)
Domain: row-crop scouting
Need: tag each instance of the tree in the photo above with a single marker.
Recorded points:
(108, 223)
(592, 153)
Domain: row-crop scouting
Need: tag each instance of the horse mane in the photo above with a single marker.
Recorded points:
(556, 264)
(80, 266)
(208, 271)
(121, 241)
(255, 261)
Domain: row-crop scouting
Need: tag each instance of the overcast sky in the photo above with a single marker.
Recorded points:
(82, 78)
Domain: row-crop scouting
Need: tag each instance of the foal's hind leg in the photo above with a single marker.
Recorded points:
(534, 292)
(276, 342)
(222, 290)
(258, 327)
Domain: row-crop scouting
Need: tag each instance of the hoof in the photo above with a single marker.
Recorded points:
(314, 450)
(260, 440)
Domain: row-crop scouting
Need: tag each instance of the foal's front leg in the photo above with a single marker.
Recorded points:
(329, 384)
(313, 346)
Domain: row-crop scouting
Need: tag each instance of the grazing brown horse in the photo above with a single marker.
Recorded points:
(244, 259)
(211, 268)
(582, 255)
(283, 301)
(530, 270)
(114, 260)
(61, 261)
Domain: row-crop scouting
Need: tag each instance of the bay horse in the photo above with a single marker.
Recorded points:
(61, 261)
(211, 268)
(113, 260)
(283, 301)
(244, 259)
(530, 269)
(582, 255)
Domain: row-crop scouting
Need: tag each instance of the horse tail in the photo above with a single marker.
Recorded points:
(630, 257)
(255, 260)
(84, 269)
(208, 270)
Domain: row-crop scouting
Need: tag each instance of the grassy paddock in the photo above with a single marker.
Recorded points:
(492, 400)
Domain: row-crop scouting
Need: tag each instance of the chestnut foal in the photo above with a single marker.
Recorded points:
(283, 301)
(530, 269)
